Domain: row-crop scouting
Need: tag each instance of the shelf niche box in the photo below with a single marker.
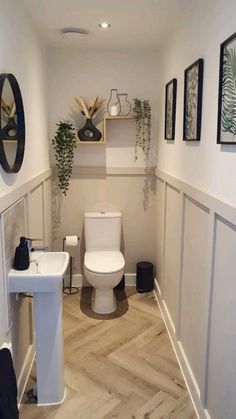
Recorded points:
(106, 118)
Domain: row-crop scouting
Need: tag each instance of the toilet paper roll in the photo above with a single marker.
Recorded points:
(71, 241)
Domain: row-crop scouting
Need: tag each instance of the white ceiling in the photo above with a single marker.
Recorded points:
(134, 23)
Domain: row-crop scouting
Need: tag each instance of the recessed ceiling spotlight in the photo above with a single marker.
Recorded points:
(104, 25)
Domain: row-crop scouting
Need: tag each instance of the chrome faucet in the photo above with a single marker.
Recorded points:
(35, 248)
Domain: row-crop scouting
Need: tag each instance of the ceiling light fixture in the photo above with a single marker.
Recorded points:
(104, 25)
(74, 31)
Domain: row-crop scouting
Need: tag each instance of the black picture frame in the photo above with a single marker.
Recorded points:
(170, 109)
(193, 87)
(226, 124)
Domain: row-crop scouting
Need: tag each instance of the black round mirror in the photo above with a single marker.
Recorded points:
(12, 124)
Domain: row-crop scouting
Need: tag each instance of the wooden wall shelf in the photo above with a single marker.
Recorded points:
(104, 137)
(92, 142)
(118, 117)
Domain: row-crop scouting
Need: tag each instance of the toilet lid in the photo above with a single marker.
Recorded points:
(104, 262)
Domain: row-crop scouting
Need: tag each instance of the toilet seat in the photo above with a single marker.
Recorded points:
(104, 262)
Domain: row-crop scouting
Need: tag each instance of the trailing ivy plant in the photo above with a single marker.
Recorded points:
(64, 143)
(142, 115)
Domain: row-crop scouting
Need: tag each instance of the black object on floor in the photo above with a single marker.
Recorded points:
(31, 396)
(8, 387)
(144, 277)
(121, 284)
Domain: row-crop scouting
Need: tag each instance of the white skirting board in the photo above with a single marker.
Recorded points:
(181, 357)
(79, 280)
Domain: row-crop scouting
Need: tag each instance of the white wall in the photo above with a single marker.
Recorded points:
(206, 165)
(196, 231)
(111, 193)
(74, 72)
(121, 182)
(22, 53)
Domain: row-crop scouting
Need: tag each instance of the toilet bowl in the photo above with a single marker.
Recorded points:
(103, 261)
(104, 271)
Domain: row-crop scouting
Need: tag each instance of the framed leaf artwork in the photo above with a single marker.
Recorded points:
(193, 84)
(170, 109)
(226, 130)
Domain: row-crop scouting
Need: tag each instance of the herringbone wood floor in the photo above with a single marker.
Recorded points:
(117, 366)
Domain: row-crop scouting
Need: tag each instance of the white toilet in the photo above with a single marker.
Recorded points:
(103, 261)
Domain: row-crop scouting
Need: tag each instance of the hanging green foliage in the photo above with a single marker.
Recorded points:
(64, 144)
(229, 92)
(142, 115)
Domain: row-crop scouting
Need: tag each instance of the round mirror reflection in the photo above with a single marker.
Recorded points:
(12, 125)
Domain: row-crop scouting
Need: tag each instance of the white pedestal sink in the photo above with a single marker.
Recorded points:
(44, 279)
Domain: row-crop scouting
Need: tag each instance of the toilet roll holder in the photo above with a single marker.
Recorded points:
(69, 289)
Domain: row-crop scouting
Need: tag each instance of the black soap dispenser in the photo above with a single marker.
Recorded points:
(21, 260)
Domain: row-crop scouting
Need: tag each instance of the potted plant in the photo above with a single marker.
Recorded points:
(64, 143)
(142, 115)
(89, 132)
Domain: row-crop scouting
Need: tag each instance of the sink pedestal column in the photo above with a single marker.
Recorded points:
(48, 309)
(44, 280)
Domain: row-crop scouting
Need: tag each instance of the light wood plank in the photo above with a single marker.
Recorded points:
(117, 366)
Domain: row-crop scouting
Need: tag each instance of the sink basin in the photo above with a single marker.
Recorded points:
(44, 280)
(44, 274)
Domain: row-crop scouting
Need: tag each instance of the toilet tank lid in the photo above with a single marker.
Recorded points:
(102, 214)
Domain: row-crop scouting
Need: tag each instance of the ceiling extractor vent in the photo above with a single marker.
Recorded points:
(74, 31)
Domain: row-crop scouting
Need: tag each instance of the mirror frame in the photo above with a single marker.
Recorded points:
(20, 131)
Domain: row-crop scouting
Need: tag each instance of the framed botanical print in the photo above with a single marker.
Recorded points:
(193, 84)
(226, 129)
(170, 109)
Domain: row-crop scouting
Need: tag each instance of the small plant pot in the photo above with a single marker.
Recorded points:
(89, 132)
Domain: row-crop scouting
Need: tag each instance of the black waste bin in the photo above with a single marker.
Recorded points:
(144, 277)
